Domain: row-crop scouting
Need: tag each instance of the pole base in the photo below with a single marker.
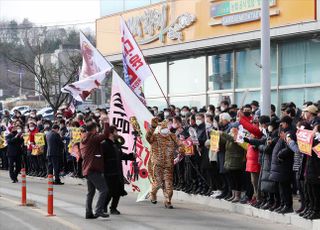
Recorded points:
(50, 215)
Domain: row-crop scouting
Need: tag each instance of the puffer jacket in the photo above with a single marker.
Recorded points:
(252, 164)
(234, 154)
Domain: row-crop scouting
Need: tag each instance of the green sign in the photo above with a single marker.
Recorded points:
(236, 6)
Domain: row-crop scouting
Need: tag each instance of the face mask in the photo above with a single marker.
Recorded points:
(208, 125)
(46, 126)
(177, 114)
(46, 132)
(97, 114)
(270, 129)
(198, 122)
(223, 108)
(164, 131)
(31, 128)
(246, 114)
(183, 113)
(155, 112)
(209, 113)
(19, 130)
(166, 114)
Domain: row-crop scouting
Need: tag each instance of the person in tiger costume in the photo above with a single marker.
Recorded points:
(161, 164)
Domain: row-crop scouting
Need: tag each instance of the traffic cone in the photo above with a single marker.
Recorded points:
(50, 195)
(23, 187)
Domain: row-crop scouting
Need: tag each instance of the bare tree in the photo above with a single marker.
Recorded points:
(51, 69)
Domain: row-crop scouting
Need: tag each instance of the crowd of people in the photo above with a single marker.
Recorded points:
(265, 170)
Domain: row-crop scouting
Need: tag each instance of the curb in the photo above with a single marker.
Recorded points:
(290, 219)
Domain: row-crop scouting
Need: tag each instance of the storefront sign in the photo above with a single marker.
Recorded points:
(236, 6)
(153, 25)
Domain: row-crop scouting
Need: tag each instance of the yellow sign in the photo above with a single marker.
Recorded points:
(214, 140)
(39, 139)
(26, 138)
(316, 149)
(75, 135)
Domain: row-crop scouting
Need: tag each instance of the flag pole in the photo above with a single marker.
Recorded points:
(146, 62)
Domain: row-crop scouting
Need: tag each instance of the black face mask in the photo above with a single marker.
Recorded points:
(247, 114)
(233, 114)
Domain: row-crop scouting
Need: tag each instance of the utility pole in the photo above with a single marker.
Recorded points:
(20, 73)
(265, 59)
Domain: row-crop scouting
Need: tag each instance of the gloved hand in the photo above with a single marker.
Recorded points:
(154, 122)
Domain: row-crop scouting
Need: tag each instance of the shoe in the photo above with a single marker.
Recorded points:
(306, 215)
(286, 209)
(168, 205)
(229, 195)
(14, 181)
(90, 216)
(102, 215)
(58, 183)
(222, 195)
(244, 199)
(279, 209)
(300, 210)
(216, 194)
(304, 211)
(232, 196)
(258, 204)
(253, 201)
(274, 207)
(314, 215)
(114, 211)
(266, 206)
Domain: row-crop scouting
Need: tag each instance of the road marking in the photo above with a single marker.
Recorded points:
(70, 225)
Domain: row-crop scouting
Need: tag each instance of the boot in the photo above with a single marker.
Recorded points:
(274, 207)
(233, 192)
(286, 209)
(236, 198)
(267, 205)
(279, 208)
(306, 209)
(314, 215)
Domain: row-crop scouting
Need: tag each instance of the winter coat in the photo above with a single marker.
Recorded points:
(234, 154)
(14, 145)
(55, 144)
(91, 152)
(252, 152)
(222, 150)
(282, 162)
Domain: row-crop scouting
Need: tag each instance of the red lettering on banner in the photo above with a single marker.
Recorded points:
(128, 47)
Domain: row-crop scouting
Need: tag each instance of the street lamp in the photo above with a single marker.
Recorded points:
(20, 73)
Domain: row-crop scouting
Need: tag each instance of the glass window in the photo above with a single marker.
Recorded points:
(215, 99)
(242, 98)
(111, 6)
(151, 87)
(295, 95)
(247, 72)
(312, 61)
(187, 76)
(160, 102)
(198, 101)
(312, 94)
(220, 71)
(292, 63)
(131, 4)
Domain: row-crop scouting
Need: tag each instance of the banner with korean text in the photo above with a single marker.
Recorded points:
(305, 141)
(135, 68)
(132, 119)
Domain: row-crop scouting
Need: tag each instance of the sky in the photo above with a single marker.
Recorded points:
(50, 12)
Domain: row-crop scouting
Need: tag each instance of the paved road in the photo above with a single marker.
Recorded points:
(69, 210)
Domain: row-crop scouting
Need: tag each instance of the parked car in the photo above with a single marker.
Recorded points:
(23, 109)
(46, 112)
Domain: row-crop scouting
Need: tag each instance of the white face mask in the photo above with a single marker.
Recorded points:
(270, 129)
(164, 131)
(199, 122)
(97, 114)
(208, 125)
(177, 114)
(222, 108)
(46, 132)
(31, 128)
(19, 130)
(183, 113)
(166, 114)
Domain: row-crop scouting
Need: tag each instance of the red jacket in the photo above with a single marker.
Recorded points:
(252, 156)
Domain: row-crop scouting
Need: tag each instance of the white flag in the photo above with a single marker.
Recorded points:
(124, 106)
(92, 61)
(80, 90)
(135, 68)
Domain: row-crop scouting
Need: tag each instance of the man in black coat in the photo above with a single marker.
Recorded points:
(113, 157)
(54, 153)
(14, 152)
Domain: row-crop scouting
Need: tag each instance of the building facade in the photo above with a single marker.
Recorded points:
(108, 7)
(203, 51)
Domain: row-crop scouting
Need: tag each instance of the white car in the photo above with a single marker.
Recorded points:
(46, 112)
(23, 109)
